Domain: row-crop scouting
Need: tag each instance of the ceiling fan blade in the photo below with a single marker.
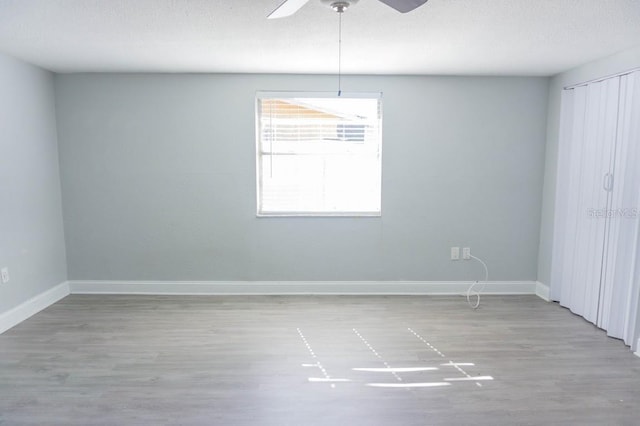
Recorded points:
(404, 6)
(287, 8)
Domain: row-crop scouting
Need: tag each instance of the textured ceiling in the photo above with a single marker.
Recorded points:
(485, 37)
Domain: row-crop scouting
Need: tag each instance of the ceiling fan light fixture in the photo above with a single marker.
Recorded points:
(289, 7)
(339, 6)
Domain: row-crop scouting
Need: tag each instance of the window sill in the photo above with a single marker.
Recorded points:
(320, 215)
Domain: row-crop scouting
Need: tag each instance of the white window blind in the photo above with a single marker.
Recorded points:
(319, 155)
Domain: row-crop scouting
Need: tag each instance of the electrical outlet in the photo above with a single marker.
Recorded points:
(466, 253)
(5, 275)
(455, 253)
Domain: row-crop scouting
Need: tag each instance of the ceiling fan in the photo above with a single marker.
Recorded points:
(289, 7)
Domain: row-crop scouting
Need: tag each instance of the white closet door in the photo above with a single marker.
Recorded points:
(572, 110)
(620, 286)
(584, 196)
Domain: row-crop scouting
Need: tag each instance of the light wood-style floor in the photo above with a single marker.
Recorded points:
(313, 360)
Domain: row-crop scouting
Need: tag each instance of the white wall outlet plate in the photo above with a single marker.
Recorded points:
(466, 253)
(455, 253)
(4, 272)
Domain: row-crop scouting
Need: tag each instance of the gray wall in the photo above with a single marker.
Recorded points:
(31, 233)
(158, 179)
(620, 62)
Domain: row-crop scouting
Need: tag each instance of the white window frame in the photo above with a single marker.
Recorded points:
(314, 95)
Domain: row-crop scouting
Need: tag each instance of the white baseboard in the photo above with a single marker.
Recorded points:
(542, 291)
(36, 304)
(297, 287)
(637, 352)
(32, 306)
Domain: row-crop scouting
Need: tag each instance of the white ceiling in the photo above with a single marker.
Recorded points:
(482, 37)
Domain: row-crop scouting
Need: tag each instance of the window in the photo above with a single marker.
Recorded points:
(318, 155)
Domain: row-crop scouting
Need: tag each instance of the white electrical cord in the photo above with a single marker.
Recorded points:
(486, 278)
